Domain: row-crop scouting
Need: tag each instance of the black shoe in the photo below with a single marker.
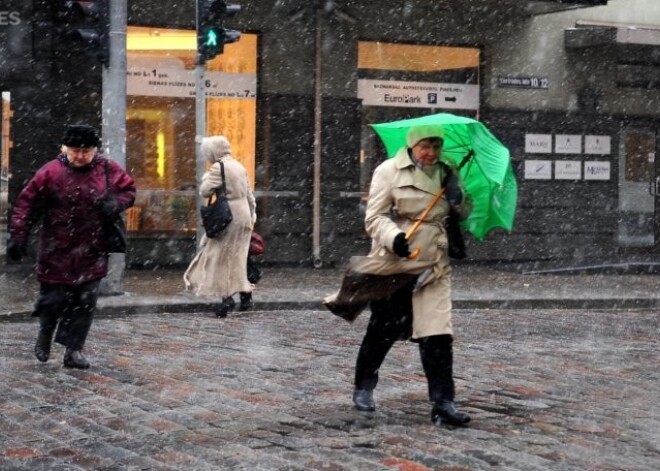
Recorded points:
(445, 412)
(227, 305)
(42, 347)
(246, 302)
(75, 359)
(364, 400)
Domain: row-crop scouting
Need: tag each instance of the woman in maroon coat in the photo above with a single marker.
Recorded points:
(71, 196)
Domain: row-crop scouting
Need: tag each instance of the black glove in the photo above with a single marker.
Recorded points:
(453, 191)
(108, 206)
(400, 245)
(16, 250)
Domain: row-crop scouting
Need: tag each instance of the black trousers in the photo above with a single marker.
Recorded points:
(70, 309)
(391, 320)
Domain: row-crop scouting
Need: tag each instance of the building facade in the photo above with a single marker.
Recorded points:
(570, 87)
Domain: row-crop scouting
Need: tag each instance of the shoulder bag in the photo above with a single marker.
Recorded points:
(114, 229)
(216, 215)
(455, 240)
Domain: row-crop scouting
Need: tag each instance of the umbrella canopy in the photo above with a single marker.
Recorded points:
(487, 174)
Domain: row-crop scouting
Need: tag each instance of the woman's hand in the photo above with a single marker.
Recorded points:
(400, 245)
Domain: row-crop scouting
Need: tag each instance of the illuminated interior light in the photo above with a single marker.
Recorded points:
(148, 39)
(160, 145)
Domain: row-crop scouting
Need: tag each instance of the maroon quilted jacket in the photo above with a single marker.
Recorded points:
(71, 246)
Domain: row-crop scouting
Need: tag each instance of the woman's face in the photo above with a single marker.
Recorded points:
(427, 151)
(79, 156)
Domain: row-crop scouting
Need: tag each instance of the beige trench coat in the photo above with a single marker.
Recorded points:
(220, 267)
(399, 193)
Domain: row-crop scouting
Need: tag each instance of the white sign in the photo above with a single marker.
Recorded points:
(568, 170)
(538, 143)
(168, 81)
(601, 145)
(517, 81)
(538, 169)
(595, 170)
(10, 18)
(568, 144)
(418, 94)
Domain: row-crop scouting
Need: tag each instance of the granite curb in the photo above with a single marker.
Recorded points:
(299, 288)
(183, 306)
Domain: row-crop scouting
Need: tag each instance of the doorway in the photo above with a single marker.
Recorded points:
(636, 202)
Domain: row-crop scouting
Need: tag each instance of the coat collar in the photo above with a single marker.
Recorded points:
(411, 175)
(98, 158)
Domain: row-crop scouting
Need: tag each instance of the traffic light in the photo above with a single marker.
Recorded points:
(211, 33)
(87, 25)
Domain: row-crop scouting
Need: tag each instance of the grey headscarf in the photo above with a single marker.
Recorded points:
(215, 148)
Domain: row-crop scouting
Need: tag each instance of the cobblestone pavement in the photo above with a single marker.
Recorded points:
(547, 390)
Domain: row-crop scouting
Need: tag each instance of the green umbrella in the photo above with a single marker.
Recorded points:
(485, 166)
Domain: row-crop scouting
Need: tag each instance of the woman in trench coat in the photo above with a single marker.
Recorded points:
(219, 268)
(401, 189)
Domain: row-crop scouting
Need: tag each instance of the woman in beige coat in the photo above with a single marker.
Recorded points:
(401, 189)
(219, 268)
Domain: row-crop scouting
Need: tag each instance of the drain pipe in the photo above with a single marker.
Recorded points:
(316, 208)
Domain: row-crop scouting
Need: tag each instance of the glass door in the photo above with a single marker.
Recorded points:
(636, 202)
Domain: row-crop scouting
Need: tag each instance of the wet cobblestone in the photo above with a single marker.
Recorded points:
(547, 389)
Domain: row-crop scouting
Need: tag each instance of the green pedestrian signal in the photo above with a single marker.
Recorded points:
(211, 38)
(211, 33)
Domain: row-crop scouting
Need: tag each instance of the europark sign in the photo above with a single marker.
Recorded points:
(397, 93)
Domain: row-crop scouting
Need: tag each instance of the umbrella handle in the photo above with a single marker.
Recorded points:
(414, 254)
(409, 234)
(413, 229)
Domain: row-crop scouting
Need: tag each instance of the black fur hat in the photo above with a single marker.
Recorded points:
(81, 135)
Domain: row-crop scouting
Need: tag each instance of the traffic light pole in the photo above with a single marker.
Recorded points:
(211, 39)
(200, 124)
(114, 122)
(200, 132)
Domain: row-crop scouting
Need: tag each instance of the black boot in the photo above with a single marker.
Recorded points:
(42, 347)
(75, 359)
(227, 305)
(364, 400)
(47, 325)
(246, 302)
(438, 359)
(445, 412)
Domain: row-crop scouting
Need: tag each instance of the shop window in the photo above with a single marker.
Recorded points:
(160, 128)
(415, 78)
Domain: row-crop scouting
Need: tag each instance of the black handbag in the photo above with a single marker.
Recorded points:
(456, 242)
(216, 215)
(114, 228)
